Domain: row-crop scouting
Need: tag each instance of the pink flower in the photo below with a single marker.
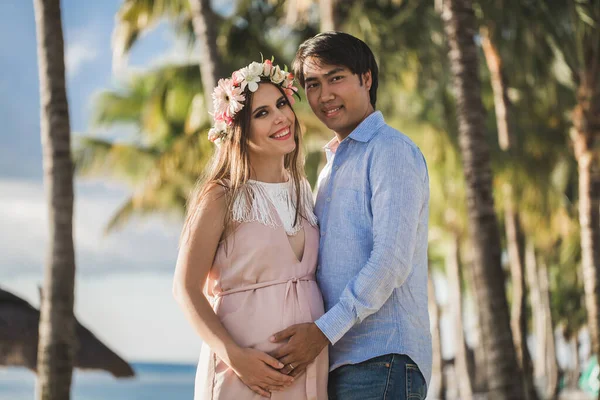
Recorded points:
(290, 95)
(227, 100)
(268, 66)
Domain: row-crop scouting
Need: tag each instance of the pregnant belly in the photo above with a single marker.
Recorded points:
(252, 316)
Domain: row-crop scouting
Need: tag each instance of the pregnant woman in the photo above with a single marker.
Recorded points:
(248, 251)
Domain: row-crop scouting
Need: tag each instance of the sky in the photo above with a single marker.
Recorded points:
(123, 284)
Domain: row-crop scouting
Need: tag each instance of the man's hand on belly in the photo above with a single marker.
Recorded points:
(306, 341)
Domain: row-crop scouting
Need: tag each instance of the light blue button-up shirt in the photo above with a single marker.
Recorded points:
(373, 209)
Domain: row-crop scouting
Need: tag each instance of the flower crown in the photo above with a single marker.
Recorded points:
(228, 96)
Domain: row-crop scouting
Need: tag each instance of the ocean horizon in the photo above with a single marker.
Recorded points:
(153, 381)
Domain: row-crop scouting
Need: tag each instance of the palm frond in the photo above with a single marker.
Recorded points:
(136, 17)
(122, 161)
(165, 199)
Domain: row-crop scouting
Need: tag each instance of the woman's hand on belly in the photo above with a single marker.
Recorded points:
(259, 371)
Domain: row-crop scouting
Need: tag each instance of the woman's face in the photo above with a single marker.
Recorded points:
(272, 123)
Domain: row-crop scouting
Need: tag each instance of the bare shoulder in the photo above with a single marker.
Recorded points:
(207, 212)
(214, 196)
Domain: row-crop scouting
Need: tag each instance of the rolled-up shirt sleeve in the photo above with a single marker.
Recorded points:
(399, 189)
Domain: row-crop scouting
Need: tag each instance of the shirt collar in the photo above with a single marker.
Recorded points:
(332, 145)
(330, 148)
(368, 127)
(362, 133)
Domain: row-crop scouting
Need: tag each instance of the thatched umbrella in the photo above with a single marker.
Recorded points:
(19, 340)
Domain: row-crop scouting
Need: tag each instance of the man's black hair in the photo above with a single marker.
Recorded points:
(338, 48)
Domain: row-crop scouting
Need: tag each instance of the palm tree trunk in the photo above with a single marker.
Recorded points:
(551, 391)
(514, 239)
(499, 85)
(203, 20)
(577, 367)
(329, 17)
(514, 234)
(465, 387)
(459, 23)
(546, 364)
(438, 379)
(538, 312)
(479, 376)
(57, 341)
(585, 137)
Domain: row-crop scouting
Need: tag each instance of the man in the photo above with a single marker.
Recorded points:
(372, 206)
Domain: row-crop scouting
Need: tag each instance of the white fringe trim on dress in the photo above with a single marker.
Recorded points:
(258, 201)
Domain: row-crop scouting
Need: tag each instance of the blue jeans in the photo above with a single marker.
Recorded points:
(392, 376)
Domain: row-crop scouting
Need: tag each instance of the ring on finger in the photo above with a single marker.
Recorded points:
(291, 366)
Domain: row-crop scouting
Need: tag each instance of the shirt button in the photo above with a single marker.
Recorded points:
(329, 199)
(336, 167)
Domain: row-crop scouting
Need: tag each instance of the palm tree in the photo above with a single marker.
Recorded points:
(332, 13)
(459, 22)
(573, 28)
(541, 173)
(537, 273)
(330, 20)
(57, 340)
(162, 161)
(136, 16)
(203, 19)
(546, 325)
(448, 226)
(454, 275)
(514, 233)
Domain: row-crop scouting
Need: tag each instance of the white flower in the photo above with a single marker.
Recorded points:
(277, 75)
(214, 135)
(221, 126)
(218, 132)
(249, 76)
(256, 68)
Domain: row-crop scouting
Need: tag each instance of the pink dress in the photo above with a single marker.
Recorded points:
(257, 287)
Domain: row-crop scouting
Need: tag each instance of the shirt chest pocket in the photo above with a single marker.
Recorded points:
(351, 213)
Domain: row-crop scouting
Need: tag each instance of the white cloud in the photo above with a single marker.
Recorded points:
(149, 245)
(179, 53)
(78, 54)
(81, 47)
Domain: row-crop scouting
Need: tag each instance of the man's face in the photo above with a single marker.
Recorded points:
(336, 95)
